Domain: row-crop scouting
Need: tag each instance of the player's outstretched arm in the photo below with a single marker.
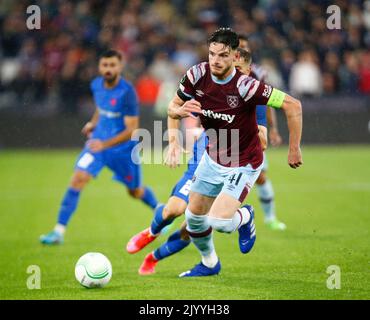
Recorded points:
(175, 148)
(178, 108)
(131, 123)
(274, 135)
(262, 134)
(90, 125)
(173, 126)
(293, 112)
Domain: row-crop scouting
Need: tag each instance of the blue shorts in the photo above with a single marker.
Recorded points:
(120, 162)
(182, 188)
(211, 179)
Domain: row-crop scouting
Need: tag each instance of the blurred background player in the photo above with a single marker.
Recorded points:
(109, 144)
(264, 186)
(177, 203)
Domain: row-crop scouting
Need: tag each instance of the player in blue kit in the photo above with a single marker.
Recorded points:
(176, 205)
(165, 214)
(109, 142)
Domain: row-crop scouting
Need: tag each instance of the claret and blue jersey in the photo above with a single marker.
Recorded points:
(182, 188)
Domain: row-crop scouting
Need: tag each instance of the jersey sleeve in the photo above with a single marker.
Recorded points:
(259, 93)
(261, 115)
(186, 89)
(131, 102)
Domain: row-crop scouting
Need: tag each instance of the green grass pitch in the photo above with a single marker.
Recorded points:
(325, 204)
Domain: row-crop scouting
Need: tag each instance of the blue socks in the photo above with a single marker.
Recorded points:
(173, 245)
(71, 197)
(149, 198)
(158, 223)
(68, 205)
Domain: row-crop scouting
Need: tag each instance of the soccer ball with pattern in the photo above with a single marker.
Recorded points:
(93, 270)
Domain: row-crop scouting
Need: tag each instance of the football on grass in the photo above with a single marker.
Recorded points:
(93, 270)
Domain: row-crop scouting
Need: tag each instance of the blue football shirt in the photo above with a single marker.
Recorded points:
(198, 150)
(113, 105)
(261, 115)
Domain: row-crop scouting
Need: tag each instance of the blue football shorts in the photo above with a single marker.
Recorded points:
(119, 162)
(182, 188)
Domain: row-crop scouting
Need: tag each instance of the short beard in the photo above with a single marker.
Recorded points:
(223, 73)
(111, 80)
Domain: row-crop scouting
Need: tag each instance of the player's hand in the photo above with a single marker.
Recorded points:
(275, 137)
(174, 153)
(95, 145)
(189, 108)
(87, 129)
(295, 158)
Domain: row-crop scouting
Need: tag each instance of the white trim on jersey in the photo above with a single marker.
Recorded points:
(196, 72)
(253, 90)
(247, 87)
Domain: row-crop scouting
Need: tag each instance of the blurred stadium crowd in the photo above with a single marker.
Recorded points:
(49, 70)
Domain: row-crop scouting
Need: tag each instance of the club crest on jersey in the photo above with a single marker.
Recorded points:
(232, 101)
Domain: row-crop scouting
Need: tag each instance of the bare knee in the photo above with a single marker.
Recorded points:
(199, 204)
(80, 179)
(136, 193)
(262, 178)
(175, 207)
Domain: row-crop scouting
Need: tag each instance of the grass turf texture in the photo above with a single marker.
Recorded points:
(325, 204)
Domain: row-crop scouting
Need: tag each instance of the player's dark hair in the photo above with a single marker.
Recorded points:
(243, 37)
(226, 36)
(245, 55)
(111, 53)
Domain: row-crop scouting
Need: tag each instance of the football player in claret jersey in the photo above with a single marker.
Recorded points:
(226, 101)
(264, 186)
(176, 205)
(109, 142)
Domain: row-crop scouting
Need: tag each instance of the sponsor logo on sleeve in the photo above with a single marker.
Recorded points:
(267, 91)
